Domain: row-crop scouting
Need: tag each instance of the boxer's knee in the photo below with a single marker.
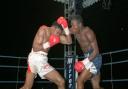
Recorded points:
(25, 87)
(60, 82)
(79, 81)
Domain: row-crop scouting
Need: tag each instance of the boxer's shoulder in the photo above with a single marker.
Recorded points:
(43, 27)
(88, 30)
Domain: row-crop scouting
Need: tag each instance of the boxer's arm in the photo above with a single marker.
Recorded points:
(95, 50)
(64, 39)
(53, 40)
(92, 38)
(40, 34)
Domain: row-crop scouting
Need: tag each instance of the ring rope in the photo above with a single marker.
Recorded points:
(7, 66)
(14, 57)
(111, 80)
(115, 80)
(117, 51)
(23, 82)
(116, 62)
(111, 72)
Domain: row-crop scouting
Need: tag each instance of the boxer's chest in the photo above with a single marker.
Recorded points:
(83, 40)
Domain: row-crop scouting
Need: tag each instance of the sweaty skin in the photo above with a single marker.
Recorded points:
(43, 35)
(87, 40)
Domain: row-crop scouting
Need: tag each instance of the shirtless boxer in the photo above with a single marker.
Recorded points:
(90, 66)
(45, 38)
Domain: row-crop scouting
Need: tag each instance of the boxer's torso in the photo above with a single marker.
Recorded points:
(41, 37)
(83, 40)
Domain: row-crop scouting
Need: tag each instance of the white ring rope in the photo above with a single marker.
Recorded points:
(112, 80)
(14, 57)
(117, 51)
(116, 62)
(7, 66)
(115, 80)
(23, 82)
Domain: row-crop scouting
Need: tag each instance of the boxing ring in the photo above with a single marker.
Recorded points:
(114, 71)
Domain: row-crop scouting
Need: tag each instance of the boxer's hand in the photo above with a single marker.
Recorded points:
(53, 40)
(79, 66)
(63, 22)
(87, 63)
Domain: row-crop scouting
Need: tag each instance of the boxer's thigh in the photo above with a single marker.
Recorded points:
(54, 76)
(84, 75)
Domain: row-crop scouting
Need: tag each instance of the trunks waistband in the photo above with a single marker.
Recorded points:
(40, 52)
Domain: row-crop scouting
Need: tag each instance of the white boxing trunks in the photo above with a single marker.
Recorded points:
(38, 63)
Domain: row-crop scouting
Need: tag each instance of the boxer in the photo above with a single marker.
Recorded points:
(45, 38)
(90, 66)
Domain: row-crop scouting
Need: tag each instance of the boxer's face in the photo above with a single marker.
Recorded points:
(74, 26)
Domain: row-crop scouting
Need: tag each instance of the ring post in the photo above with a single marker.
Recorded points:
(70, 72)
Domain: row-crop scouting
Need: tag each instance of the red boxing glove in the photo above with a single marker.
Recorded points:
(61, 20)
(79, 66)
(53, 40)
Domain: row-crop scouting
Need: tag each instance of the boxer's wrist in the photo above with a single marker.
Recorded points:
(87, 63)
(46, 45)
(66, 30)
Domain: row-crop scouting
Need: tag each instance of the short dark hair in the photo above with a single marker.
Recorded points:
(56, 25)
(78, 18)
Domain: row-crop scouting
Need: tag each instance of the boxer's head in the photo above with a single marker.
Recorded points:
(57, 28)
(76, 22)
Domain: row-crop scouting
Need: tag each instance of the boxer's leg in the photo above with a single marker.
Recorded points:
(95, 80)
(28, 81)
(55, 77)
(30, 75)
(82, 78)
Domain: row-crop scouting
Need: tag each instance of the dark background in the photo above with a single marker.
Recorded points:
(22, 18)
